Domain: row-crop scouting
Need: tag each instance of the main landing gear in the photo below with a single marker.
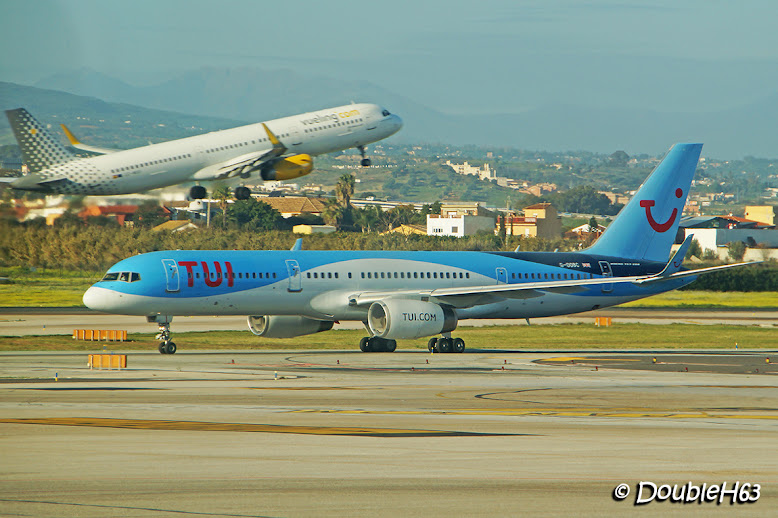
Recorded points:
(365, 161)
(374, 344)
(198, 192)
(242, 193)
(446, 345)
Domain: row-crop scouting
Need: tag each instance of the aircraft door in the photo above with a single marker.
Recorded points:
(171, 276)
(605, 267)
(502, 276)
(295, 278)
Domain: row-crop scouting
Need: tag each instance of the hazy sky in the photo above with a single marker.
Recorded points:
(452, 55)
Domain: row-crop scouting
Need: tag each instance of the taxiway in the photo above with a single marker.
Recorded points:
(343, 433)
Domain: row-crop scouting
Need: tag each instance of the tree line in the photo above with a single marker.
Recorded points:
(95, 248)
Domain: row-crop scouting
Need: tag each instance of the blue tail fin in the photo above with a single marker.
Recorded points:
(646, 227)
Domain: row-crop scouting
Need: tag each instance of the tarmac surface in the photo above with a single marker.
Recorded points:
(58, 321)
(344, 433)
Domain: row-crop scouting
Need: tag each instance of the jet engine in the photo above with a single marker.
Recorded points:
(398, 318)
(278, 326)
(286, 168)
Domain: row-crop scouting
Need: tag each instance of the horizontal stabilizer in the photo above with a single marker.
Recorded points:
(689, 273)
(675, 262)
(74, 142)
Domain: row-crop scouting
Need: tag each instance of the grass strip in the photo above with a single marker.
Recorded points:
(558, 336)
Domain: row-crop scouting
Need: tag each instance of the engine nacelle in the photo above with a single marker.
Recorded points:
(287, 168)
(399, 318)
(283, 326)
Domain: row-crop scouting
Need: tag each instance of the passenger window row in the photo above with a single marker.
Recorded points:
(414, 275)
(552, 276)
(337, 124)
(323, 275)
(153, 162)
(239, 275)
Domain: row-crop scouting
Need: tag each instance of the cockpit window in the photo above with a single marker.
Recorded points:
(121, 276)
(385, 113)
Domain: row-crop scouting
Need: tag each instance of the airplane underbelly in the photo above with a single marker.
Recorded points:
(140, 182)
(548, 305)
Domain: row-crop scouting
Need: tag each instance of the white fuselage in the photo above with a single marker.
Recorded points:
(189, 159)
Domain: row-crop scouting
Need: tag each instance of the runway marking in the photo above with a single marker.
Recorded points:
(147, 424)
(305, 388)
(570, 359)
(552, 413)
(749, 387)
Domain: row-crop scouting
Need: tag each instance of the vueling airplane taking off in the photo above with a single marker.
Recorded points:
(402, 295)
(279, 149)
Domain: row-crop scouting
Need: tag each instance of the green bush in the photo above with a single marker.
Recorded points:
(761, 277)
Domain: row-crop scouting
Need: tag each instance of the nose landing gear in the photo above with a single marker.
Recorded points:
(166, 346)
(365, 161)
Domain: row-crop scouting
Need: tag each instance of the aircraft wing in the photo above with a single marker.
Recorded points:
(242, 164)
(468, 296)
(74, 142)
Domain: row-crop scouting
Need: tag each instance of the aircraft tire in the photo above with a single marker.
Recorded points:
(444, 345)
(161, 348)
(391, 345)
(459, 345)
(170, 348)
(242, 193)
(364, 344)
(198, 192)
(366, 162)
(432, 344)
(376, 345)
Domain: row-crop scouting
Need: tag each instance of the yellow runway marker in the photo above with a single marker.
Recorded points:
(588, 360)
(200, 426)
(305, 388)
(544, 412)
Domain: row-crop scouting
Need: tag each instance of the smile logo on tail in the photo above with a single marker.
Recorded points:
(660, 227)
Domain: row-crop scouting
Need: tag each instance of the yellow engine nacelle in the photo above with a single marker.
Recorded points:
(287, 168)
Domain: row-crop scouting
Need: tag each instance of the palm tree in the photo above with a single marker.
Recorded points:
(222, 194)
(344, 190)
(368, 218)
(332, 213)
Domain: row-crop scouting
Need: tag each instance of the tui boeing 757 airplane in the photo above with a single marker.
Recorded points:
(406, 295)
(279, 149)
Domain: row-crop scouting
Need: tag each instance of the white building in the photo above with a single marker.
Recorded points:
(484, 173)
(715, 238)
(458, 226)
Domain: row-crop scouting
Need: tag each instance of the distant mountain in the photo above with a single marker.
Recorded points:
(250, 94)
(100, 122)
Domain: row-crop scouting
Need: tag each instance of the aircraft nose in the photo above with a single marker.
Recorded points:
(97, 299)
(395, 122)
